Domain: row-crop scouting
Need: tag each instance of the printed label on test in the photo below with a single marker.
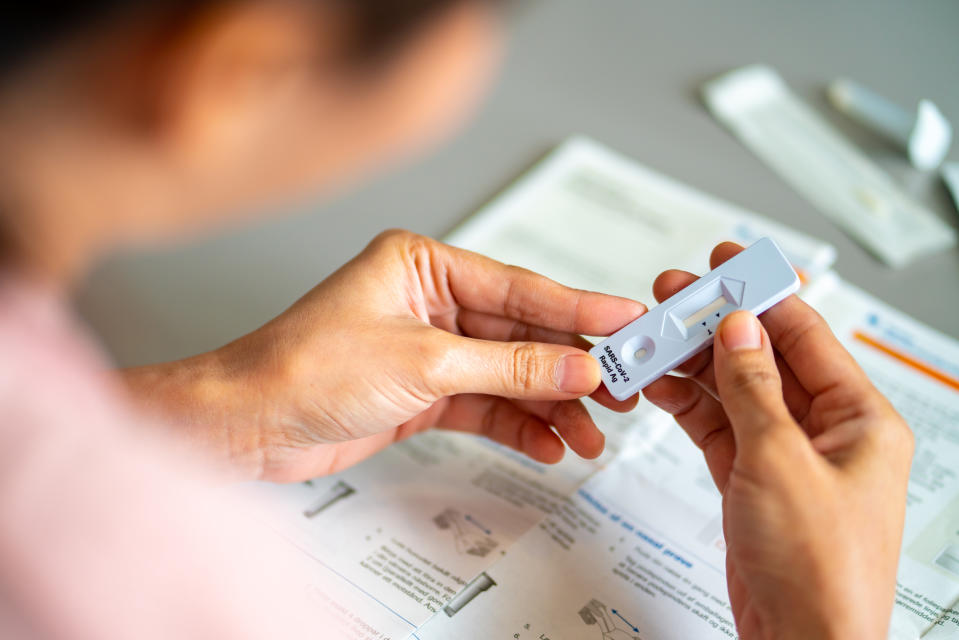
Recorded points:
(682, 326)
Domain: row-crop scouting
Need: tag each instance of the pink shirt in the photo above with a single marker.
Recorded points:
(104, 531)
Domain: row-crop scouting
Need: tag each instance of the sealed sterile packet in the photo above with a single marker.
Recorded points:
(825, 168)
(950, 175)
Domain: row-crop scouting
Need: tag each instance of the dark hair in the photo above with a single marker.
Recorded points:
(378, 24)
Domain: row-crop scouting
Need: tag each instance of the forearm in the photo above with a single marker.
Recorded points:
(205, 404)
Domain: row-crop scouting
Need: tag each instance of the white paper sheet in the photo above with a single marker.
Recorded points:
(642, 536)
(641, 558)
(653, 550)
(917, 368)
(396, 537)
(591, 218)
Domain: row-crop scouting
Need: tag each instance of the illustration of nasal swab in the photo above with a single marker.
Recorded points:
(925, 135)
(481, 583)
(335, 493)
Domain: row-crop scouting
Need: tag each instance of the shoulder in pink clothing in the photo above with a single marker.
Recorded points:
(105, 533)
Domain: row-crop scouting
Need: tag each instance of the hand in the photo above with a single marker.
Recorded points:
(409, 335)
(812, 463)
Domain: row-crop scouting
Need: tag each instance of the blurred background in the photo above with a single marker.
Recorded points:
(626, 72)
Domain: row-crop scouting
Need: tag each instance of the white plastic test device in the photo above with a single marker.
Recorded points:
(682, 326)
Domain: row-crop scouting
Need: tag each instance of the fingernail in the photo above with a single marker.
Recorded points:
(740, 330)
(577, 374)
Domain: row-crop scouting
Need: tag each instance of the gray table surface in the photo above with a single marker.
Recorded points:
(626, 72)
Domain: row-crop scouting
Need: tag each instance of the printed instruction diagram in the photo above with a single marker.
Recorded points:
(478, 585)
(327, 499)
(469, 535)
(610, 622)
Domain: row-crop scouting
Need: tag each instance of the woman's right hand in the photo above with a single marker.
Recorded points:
(812, 463)
(410, 335)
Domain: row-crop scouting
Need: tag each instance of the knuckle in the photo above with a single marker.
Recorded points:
(392, 238)
(893, 433)
(907, 435)
(422, 251)
(859, 400)
(526, 367)
(415, 241)
(909, 445)
(710, 438)
(752, 380)
(794, 332)
(436, 367)
(391, 235)
(905, 440)
(434, 356)
(513, 301)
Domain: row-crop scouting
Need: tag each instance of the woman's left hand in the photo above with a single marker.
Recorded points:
(411, 334)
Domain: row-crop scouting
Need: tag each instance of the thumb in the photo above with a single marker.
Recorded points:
(519, 370)
(748, 381)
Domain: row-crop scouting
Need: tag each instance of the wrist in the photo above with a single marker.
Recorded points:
(829, 630)
(814, 614)
(204, 401)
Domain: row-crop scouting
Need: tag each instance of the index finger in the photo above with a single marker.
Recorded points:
(483, 284)
(803, 339)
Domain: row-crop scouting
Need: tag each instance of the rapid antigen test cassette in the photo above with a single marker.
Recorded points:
(682, 326)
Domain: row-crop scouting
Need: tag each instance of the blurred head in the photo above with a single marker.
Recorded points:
(141, 119)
